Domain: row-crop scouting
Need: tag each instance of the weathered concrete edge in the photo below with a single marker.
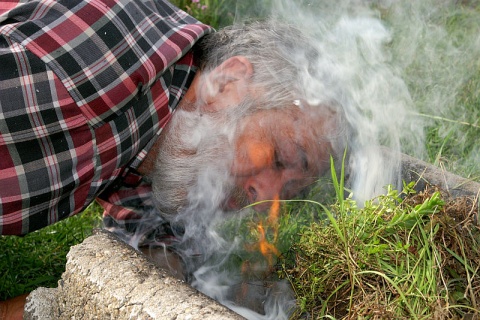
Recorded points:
(424, 173)
(107, 279)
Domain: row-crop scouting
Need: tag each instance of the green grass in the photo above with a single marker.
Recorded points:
(401, 256)
(443, 77)
(216, 13)
(38, 259)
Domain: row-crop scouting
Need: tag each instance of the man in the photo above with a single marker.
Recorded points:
(87, 90)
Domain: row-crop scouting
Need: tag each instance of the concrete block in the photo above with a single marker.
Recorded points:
(107, 279)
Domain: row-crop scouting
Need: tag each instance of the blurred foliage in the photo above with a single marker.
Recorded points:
(216, 13)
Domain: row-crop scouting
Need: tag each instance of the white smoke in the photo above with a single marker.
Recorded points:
(387, 64)
(393, 66)
(354, 68)
(384, 63)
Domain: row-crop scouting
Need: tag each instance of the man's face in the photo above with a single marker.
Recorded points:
(269, 154)
(212, 155)
(278, 154)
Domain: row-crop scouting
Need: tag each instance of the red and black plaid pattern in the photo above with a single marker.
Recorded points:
(85, 88)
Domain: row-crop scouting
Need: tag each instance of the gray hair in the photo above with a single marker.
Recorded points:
(284, 60)
(276, 50)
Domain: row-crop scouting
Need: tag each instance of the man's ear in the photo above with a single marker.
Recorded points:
(227, 84)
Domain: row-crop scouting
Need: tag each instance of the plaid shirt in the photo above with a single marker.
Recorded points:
(85, 89)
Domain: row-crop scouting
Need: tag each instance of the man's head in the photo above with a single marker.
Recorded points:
(244, 131)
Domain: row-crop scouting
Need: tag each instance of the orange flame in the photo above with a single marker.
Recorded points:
(268, 249)
(261, 154)
(265, 247)
(273, 215)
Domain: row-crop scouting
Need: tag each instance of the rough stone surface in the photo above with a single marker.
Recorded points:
(425, 173)
(106, 279)
(42, 305)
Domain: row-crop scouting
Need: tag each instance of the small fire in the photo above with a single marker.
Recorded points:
(261, 155)
(266, 248)
(263, 245)
(273, 215)
(256, 270)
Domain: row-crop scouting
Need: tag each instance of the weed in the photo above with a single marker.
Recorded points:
(403, 255)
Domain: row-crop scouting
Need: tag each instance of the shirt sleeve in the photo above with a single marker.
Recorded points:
(6, 6)
(126, 201)
(87, 86)
(130, 213)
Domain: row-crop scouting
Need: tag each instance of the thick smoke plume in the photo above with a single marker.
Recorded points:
(394, 67)
(389, 65)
